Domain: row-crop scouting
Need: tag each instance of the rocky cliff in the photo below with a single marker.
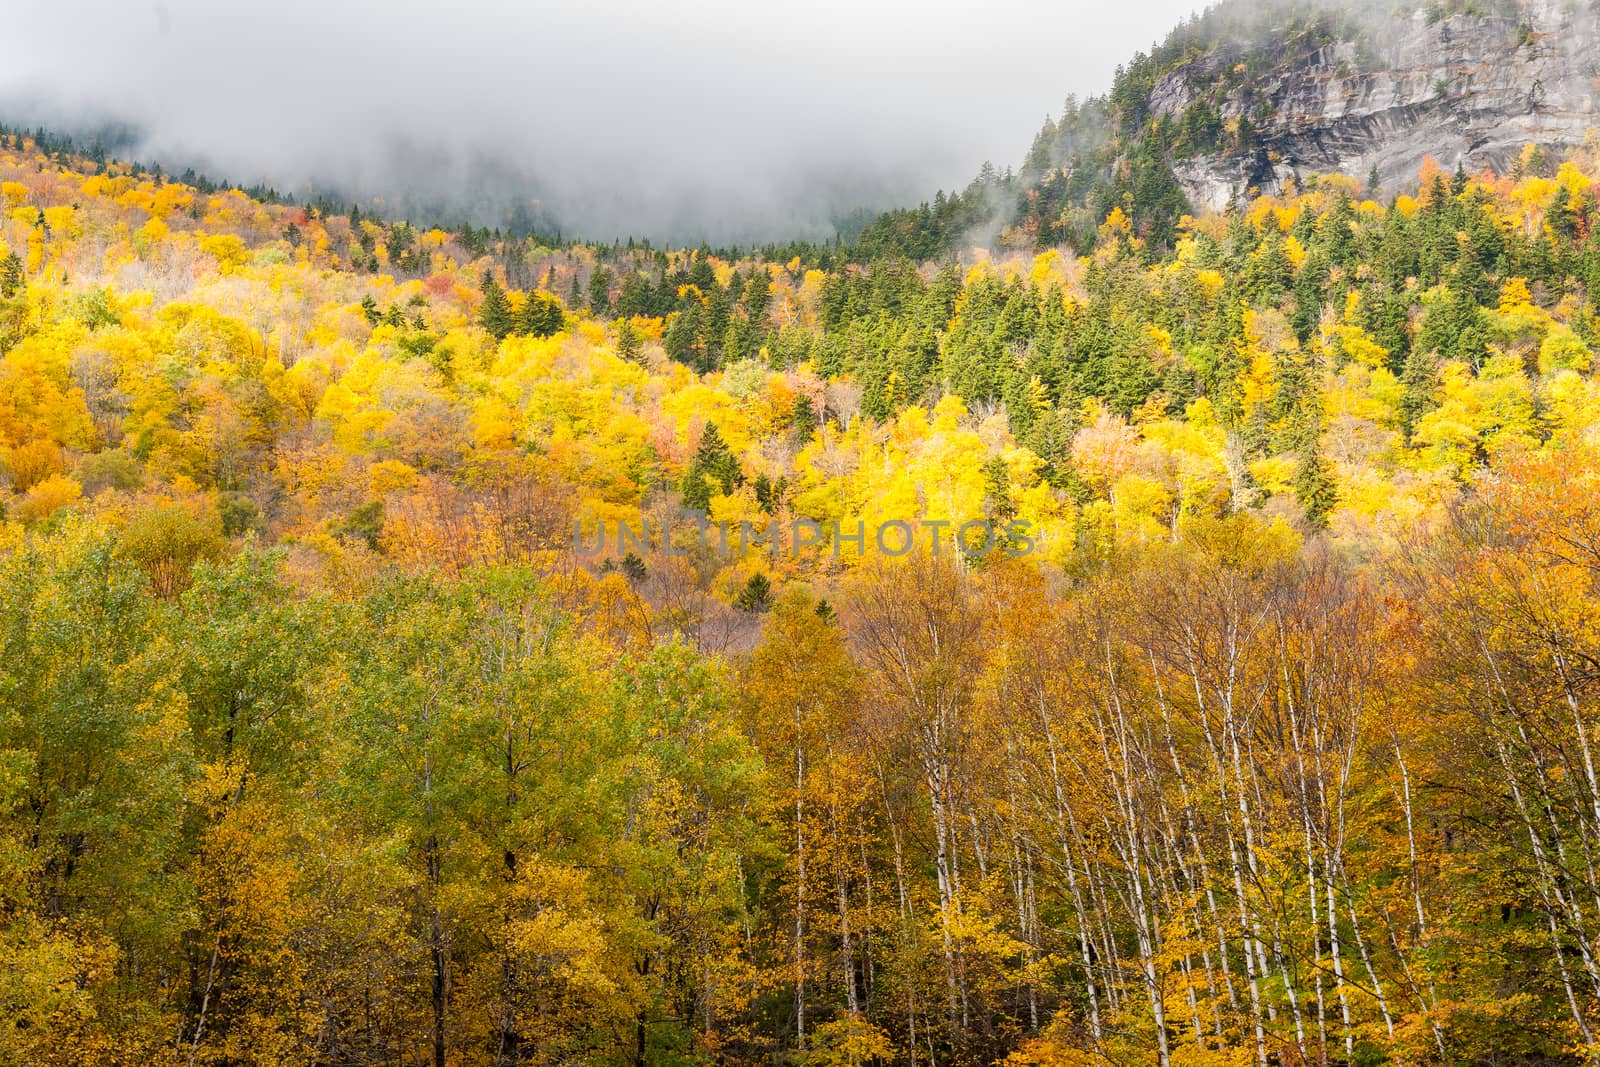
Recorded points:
(1254, 93)
(1468, 89)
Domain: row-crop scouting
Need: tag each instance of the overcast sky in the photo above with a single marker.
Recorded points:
(675, 119)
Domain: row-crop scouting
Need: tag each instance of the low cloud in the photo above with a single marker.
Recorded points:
(676, 121)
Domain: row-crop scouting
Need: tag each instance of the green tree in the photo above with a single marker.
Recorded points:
(10, 275)
(629, 346)
(541, 315)
(495, 312)
(1314, 486)
(713, 470)
(600, 291)
(755, 595)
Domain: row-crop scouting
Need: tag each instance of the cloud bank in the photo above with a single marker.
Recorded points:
(672, 120)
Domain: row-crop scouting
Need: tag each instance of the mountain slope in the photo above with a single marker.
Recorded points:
(1249, 97)
(1468, 89)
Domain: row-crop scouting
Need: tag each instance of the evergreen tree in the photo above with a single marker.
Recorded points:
(600, 291)
(11, 276)
(633, 568)
(997, 492)
(1309, 285)
(1314, 486)
(757, 294)
(1420, 381)
(756, 596)
(540, 316)
(713, 471)
(805, 418)
(495, 313)
(628, 345)
(683, 341)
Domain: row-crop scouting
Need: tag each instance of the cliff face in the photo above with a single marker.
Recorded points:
(1467, 89)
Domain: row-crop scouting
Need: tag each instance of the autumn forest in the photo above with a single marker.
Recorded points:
(1263, 727)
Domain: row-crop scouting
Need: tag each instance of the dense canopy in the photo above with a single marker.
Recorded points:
(323, 742)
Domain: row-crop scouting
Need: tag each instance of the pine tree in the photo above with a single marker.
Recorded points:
(757, 294)
(10, 276)
(540, 316)
(1314, 486)
(756, 596)
(713, 471)
(369, 310)
(1420, 378)
(997, 492)
(805, 418)
(600, 291)
(634, 568)
(495, 314)
(628, 344)
(683, 341)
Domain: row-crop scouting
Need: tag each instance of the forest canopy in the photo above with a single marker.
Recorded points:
(321, 743)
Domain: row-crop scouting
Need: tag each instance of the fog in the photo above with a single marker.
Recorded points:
(671, 120)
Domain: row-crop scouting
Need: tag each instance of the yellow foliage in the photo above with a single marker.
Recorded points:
(227, 249)
(47, 497)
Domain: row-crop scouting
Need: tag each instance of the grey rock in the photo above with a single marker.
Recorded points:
(1470, 90)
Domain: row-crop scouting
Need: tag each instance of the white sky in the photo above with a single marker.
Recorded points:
(732, 118)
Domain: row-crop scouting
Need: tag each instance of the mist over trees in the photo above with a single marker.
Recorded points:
(326, 738)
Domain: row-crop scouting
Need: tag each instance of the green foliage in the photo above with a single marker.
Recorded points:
(755, 595)
(495, 312)
(713, 470)
(541, 315)
(167, 541)
(11, 276)
(1314, 486)
(628, 343)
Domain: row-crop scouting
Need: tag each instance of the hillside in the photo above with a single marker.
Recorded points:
(1472, 89)
(1179, 648)
(1250, 97)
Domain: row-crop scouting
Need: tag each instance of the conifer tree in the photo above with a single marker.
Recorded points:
(10, 276)
(495, 314)
(1314, 486)
(805, 418)
(756, 596)
(714, 470)
(600, 291)
(1420, 379)
(634, 568)
(540, 316)
(997, 491)
(628, 344)
(757, 294)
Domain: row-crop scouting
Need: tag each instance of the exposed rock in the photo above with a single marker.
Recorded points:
(1468, 89)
